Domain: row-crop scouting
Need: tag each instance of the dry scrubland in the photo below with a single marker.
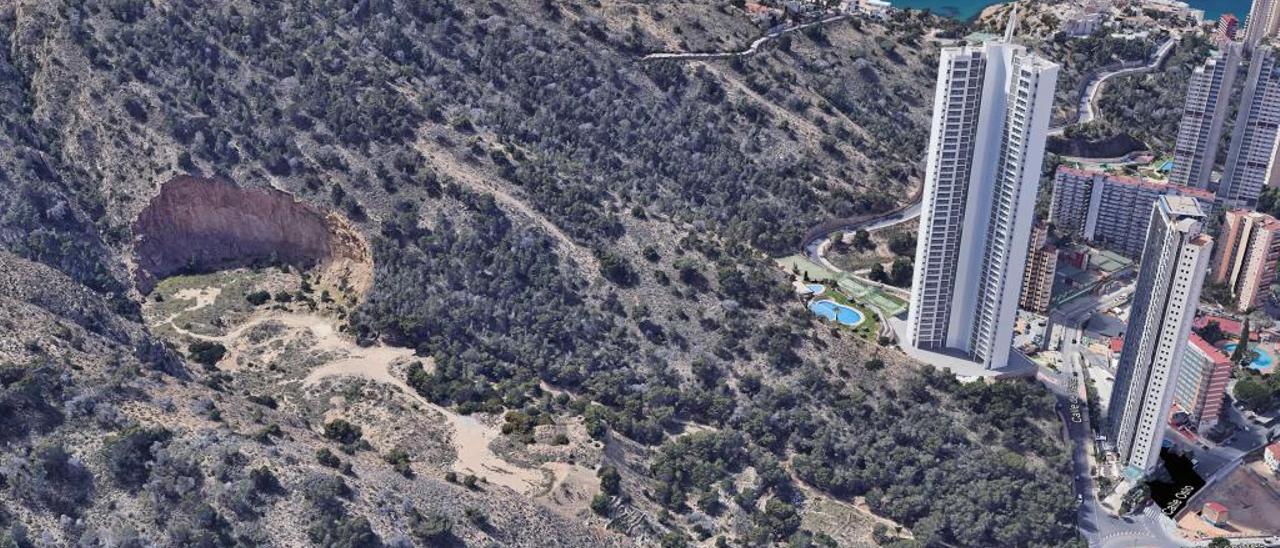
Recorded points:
(569, 293)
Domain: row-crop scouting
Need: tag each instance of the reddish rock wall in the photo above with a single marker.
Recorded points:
(202, 225)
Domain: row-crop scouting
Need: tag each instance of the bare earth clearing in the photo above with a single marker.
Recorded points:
(560, 485)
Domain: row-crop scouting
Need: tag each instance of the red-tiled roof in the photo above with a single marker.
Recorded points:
(1117, 344)
(1208, 350)
(1228, 325)
(1274, 449)
(1216, 507)
(1159, 186)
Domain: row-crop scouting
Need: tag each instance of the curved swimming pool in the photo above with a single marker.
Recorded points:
(1261, 363)
(832, 310)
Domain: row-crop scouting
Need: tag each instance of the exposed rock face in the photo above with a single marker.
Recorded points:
(201, 224)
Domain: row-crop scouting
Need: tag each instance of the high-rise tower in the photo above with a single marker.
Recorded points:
(991, 115)
(1263, 21)
(1251, 156)
(1173, 266)
(1247, 256)
(1203, 112)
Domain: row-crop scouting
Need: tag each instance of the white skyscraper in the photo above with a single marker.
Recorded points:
(1263, 20)
(990, 118)
(1203, 112)
(1174, 262)
(1251, 156)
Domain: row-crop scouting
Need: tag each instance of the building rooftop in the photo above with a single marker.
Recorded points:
(1182, 206)
(1143, 182)
(1109, 261)
(1215, 506)
(1208, 350)
(1274, 449)
(1229, 326)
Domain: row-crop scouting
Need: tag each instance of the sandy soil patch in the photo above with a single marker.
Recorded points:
(471, 438)
(1251, 494)
(572, 489)
(269, 335)
(203, 297)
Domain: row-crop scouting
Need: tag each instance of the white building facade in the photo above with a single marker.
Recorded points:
(1203, 113)
(991, 116)
(1174, 263)
(1263, 20)
(1251, 156)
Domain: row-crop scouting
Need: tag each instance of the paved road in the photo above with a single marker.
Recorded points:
(1099, 528)
(1087, 111)
(751, 50)
(816, 250)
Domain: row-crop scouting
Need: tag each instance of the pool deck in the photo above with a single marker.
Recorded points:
(1268, 350)
(862, 316)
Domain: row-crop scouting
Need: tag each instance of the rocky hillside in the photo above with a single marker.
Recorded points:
(568, 331)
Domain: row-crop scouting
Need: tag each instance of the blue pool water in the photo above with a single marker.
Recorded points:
(816, 289)
(1261, 363)
(832, 310)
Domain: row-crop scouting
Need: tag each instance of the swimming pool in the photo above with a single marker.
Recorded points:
(832, 310)
(1261, 363)
(816, 289)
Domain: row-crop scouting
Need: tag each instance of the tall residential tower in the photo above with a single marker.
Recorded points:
(1251, 156)
(1247, 255)
(1173, 266)
(1203, 112)
(1263, 20)
(991, 115)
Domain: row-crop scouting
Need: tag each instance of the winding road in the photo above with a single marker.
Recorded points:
(751, 50)
(816, 249)
(1087, 111)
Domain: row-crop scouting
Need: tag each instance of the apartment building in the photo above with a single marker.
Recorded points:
(1251, 154)
(991, 115)
(1112, 211)
(1174, 261)
(1042, 264)
(1203, 113)
(1247, 256)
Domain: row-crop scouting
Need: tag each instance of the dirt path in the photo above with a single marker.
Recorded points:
(480, 180)
(471, 438)
(203, 297)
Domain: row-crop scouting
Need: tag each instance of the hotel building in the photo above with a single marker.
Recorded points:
(1202, 383)
(1112, 211)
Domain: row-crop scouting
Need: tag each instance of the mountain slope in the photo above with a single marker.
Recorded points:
(569, 251)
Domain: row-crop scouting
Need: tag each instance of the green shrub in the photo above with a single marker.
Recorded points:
(258, 298)
(326, 457)
(206, 353)
(342, 432)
